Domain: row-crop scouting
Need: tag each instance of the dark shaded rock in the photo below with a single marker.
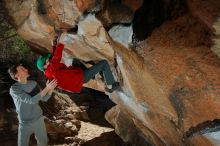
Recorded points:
(152, 14)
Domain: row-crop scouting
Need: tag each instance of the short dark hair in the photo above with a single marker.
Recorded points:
(13, 70)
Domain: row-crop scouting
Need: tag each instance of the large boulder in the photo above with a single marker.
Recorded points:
(170, 80)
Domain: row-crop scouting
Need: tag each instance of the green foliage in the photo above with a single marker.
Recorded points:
(18, 45)
(11, 44)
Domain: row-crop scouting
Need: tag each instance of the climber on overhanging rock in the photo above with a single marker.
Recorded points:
(73, 77)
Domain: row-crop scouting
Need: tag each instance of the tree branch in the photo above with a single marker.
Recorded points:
(8, 37)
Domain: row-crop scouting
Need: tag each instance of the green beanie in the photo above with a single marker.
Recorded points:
(41, 61)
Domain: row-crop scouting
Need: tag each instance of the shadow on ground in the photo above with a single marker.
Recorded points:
(106, 139)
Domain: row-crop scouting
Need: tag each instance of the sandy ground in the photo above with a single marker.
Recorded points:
(89, 131)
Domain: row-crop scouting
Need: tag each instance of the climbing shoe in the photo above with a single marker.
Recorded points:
(115, 86)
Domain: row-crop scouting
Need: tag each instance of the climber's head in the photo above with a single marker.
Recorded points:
(43, 62)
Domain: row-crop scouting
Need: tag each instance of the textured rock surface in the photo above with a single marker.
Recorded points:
(170, 81)
(114, 12)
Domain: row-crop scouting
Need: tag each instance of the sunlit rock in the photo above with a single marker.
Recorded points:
(216, 47)
(63, 14)
(169, 81)
(122, 34)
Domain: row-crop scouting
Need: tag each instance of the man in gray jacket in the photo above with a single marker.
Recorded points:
(26, 94)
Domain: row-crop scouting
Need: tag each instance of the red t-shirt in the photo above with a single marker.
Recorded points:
(68, 78)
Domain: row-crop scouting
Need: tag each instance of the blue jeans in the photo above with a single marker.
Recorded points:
(38, 128)
(101, 66)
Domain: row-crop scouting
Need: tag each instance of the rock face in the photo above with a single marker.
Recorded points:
(170, 80)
